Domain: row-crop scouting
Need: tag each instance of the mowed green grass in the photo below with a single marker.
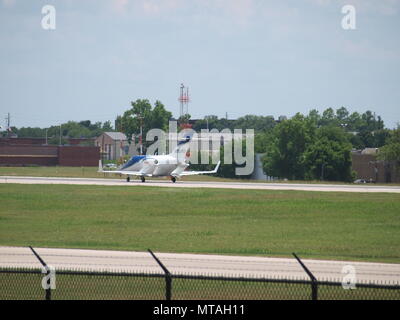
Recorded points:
(349, 226)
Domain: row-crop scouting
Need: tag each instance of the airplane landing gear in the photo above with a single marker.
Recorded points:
(173, 179)
(128, 178)
(142, 178)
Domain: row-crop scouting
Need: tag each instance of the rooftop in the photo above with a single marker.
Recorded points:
(116, 135)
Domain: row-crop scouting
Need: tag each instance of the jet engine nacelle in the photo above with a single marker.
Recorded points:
(179, 169)
(149, 166)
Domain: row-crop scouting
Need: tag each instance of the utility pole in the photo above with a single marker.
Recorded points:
(322, 171)
(140, 117)
(60, 134)
(8, 119)
(141, 135)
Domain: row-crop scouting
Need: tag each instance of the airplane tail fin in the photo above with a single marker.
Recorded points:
(181, 152)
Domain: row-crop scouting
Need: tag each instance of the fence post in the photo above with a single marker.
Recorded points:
(314, 281)
(48, 290)
(168, 277)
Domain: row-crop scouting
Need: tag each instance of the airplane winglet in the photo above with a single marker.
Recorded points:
(217, 167)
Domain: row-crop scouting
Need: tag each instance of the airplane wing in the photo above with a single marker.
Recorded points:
(192, 173)
(130, 173)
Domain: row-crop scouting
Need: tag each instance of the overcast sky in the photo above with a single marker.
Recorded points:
(237, 56)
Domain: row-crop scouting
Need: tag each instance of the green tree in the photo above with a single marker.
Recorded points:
(342, 114)
(261, 141)
(329, 118)
(70, 129)
(132, 119)
(74, 129)
(380, 137)
(85, 123)
(314, 116)
(142, 113)
(30, 132)
(210, 122)
(356, 141)
(107, 127)
(184, 119)
(391, 151)
(160, 117)
(56, 141)
(354, 122)
(285, 150)
(328, 157)
(258, 123)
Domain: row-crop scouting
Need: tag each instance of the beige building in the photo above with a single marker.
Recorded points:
(113, 145)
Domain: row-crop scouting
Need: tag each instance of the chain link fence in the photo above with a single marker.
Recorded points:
(33, 284)
(26, 284)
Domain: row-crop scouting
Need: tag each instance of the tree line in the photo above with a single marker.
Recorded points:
(312, 146)
(70, 129)
(318, 146)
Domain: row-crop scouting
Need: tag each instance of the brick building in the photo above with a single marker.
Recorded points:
(42, 141)
(15, 153)
(368, 167)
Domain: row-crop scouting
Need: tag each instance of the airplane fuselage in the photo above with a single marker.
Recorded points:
(155, 166)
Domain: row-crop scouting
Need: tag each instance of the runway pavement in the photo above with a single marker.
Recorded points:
(196, 264)
(202, 184)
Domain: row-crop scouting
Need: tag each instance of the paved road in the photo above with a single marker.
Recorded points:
(195, 264)
(202, 184)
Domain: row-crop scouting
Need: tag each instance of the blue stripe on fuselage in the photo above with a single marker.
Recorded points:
(132, 161)
(186, 140)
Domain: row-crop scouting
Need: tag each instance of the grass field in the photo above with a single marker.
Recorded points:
(56, 171)
(220, 221)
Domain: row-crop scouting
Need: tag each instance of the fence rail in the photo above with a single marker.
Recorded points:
(30, 284)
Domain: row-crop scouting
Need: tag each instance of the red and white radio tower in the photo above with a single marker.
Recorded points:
(184, 100)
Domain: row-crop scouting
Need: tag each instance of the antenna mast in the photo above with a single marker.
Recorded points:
(184, 100)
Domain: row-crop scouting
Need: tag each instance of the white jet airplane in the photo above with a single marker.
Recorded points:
(172, 165)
